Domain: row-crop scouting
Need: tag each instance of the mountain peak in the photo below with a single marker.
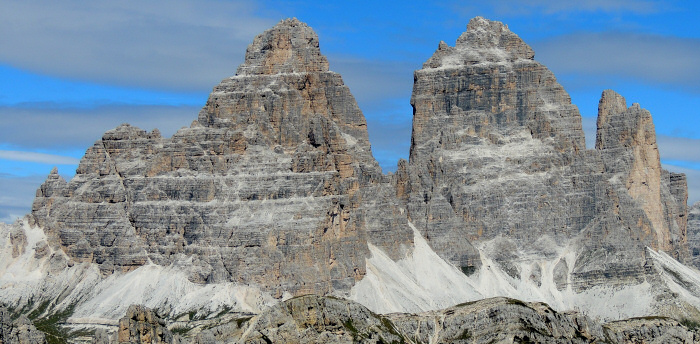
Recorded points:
(291, 46)
(485, 41)
(489, 34)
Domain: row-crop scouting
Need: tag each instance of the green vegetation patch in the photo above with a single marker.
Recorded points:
(51, 325)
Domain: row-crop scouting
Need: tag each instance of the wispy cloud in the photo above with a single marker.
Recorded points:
(524, 7)
(650, 58)
(42, 158)
(17, 196)
(589, 129)
(374, 80)
(679, 148)
(179, 45)
(77, 128)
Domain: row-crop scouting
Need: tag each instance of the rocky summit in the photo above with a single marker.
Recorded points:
(269, 220)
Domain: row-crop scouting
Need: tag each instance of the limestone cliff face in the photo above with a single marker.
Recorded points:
(273, 186)
(498, 157)
(694, 234)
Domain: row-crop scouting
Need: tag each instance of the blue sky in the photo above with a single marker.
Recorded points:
(71, 70)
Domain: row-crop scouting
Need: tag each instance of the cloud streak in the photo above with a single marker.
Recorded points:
(77, 128)
(649, 58)
(17, 196)
(178, 45)
(41, 158)
(554, 7)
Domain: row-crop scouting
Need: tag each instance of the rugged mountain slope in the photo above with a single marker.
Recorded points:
(272, 192)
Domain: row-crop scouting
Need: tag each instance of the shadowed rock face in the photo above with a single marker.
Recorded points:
(498, 151)
(273, 186)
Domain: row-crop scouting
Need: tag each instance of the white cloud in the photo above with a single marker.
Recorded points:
(374, 80)
(679, 148)
(42, 158)
(589, 129)
(17, 194)
(650, 58)
(78, 128)
(178, 45)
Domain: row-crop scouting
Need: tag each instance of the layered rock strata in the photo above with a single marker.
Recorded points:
(274, 185)
(498, 159)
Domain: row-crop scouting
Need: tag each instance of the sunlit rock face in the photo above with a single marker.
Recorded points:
(274, 185)
(498, 157)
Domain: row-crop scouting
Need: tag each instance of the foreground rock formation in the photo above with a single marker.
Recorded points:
(19, 331)
(272, 194)
(314, 319)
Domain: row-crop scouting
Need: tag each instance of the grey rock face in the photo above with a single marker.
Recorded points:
(694, 233)
(142, 325)
(20, 331)
(498, 151)
(273, 186)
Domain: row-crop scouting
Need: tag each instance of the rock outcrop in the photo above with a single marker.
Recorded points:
(142, 325)
(649, 330)
(314, 319)
(20, 331)
(273, 186)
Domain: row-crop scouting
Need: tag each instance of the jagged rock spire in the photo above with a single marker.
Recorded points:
(485, 41)
(620, 127)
